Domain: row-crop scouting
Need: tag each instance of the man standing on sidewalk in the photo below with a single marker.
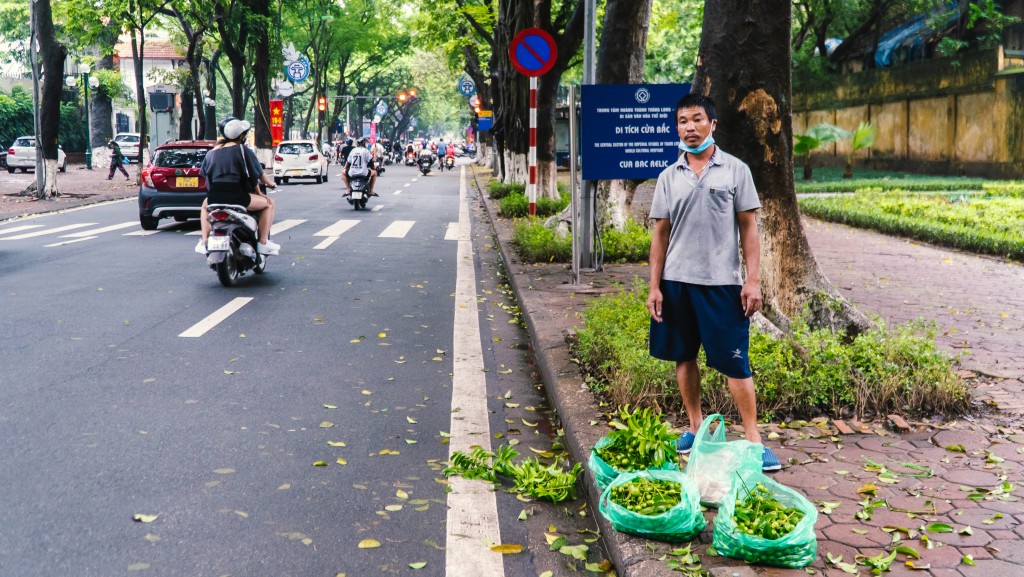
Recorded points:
(703, 208)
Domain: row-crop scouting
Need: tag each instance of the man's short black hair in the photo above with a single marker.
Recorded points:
(693, 100)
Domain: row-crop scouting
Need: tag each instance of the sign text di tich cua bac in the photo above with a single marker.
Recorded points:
(628, 130)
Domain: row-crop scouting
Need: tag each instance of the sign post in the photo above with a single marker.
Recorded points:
(533, 53)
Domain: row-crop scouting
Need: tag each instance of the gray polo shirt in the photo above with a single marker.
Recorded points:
(703, 247)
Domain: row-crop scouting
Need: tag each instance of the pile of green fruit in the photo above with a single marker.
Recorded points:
(641, 440)
(647, 496)
(762, 515)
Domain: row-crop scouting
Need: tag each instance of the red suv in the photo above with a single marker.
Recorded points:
(171, 185)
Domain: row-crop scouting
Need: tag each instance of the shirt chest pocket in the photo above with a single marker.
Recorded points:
(721, 199)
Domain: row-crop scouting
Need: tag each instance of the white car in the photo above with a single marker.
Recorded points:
(22, 155)
(299, 159)
(129, 143)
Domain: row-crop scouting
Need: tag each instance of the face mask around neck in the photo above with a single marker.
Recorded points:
(700, 148)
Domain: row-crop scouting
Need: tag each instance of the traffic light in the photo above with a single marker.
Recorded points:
(321, 104)
(405, 96)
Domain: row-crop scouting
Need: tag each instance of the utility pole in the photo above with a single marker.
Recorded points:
(585, 236)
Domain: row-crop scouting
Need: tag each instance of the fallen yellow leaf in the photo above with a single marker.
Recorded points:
(143, 518)
(369, 544)
(507, 549)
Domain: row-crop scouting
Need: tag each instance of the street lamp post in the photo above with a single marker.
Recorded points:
(86, 83)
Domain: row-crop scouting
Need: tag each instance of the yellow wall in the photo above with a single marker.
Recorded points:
(930, 116)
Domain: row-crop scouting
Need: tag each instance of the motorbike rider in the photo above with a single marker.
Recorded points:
(449, 152)
(360, 163)
(425, 153)
(233, 174)
(345, 151)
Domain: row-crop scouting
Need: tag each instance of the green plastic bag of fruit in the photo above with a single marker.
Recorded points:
(761, 521)
(659, 515)
(605, 473)
(714, 462)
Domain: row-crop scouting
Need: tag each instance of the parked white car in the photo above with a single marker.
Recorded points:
(129, 143)
(22, 155)
(299, 159)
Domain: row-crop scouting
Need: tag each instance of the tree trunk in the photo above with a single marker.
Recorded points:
(620, 60)
(261, 82)
(188, 106)
(138, 50)
(53, 54)
(744, 65)
(234, 33)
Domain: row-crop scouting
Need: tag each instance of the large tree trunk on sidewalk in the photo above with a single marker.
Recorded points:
(102, 106)
(261, 81)
(744, 66)
(53, 54)
(620, 60)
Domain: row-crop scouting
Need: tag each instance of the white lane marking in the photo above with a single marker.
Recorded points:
(452, 232)
(399, 191)
(141, 233)
(337, 229)
(408, 184)
(193, 233)
(76, 209)
(69, 241)
(326, 242)
(472, 522)
(284, 225)
(397, 229)
(101, 230)
(48, 231)
(20, 228)
(413, 180)
(377, 208)
(200, 328)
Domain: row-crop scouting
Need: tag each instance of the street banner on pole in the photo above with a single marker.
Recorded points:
(276, 122)
(628, 131)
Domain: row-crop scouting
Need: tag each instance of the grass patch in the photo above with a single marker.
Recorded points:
(631, 244)
(807, 374)
(516, 205)
(537, 243)
(989, 223)
(498, 190)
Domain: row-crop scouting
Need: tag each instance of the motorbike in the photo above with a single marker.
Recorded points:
(449, 162)
(231, 248)
(358, 194)
(425, 163)
(410, 158)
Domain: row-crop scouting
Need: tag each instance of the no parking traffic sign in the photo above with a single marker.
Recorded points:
(533, 52)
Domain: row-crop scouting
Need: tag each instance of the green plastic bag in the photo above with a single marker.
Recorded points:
(605, 473)
(796, 549)
(714, 462)
(680, 523)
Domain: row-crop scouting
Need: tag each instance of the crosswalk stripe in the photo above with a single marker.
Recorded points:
(48, 231)
(69, 241)
(199, 329)
(96, 231)
(399, 191)
(377, 208)
(397, 229)
(452, 232)
(337, 229)
(284, 225)
(20, 228)
(326, 242)
(141, 233)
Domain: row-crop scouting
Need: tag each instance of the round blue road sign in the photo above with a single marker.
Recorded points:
(533, 52)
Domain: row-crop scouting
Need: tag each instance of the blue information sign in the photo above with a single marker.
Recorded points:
(628, 131)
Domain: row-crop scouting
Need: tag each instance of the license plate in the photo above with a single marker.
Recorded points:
(217, 243)
(294, 172)
(356, 195)
(186, 182)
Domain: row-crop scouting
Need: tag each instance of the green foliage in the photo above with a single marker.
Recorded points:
(631, 244)
(673, 38)
(807, 373)
(530, 477)
(921, 184)
(498, 190)
(16, 112)
(517, 205)
(537, 243)
(72, 127)
(988, 223)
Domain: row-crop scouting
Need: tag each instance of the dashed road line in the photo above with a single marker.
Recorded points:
(397, 229)
(48, 231)
(199, 329)
(96, 231)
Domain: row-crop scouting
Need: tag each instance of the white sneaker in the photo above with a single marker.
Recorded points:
(270, 248)
(201, 247)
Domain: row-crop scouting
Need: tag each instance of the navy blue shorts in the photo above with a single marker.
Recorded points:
(712, 316)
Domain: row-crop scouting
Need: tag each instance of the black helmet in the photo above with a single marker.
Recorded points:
(348, 141)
